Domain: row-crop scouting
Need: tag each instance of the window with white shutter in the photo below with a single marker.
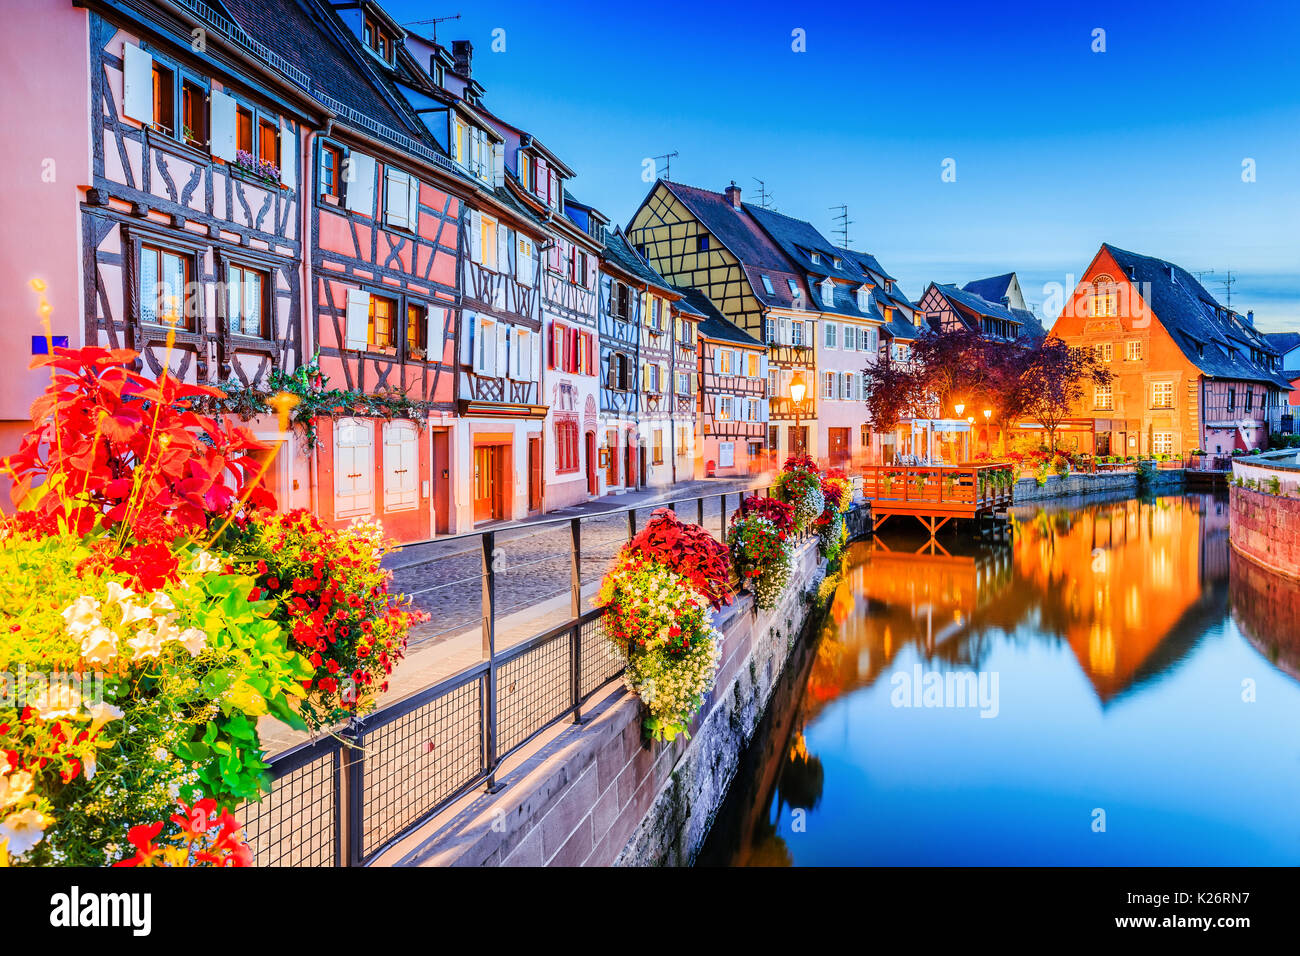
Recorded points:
(397, 198)
(500, 365)
(221, 125)
(485, 346)
(360, 178)
(524, 260)
(475, 237)
(137, 94)
(357, 321)
(288, 156)
(830, 333)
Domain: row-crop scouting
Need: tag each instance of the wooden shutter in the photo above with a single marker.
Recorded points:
(357, 319)
(413, 204)
(288, 156)
(221, 128)
(137, 93)
(498, 164)
(503, 247)
(401, 466)
(503, 350)
(361, 183)
(475, 236)
(435, 328)
(397, 197)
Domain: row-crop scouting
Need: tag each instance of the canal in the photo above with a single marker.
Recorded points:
(1111, 687)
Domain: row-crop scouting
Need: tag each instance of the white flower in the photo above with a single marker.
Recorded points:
(101, 714)
(81, 615)
(14, 786)
(205, 563)
(118, 594)
(59, 700)
(161, 600)
(132, 612)
(194, 640)
(99, 645)
(23, 830)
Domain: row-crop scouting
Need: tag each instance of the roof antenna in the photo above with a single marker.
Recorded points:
(434, 20)
(668, 164)
(842, 217)
(1227, 282)
(764, 197)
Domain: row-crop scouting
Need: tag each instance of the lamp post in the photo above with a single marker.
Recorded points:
(959, 408)
(798, 388)
(988, 442)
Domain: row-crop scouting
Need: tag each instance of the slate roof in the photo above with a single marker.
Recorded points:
(621, 254)
(977, 303)
(740, 232)
(308, 37)
(797, 237)
(994, 288)
(1188, 313)
(715, 324)
(1283, 342)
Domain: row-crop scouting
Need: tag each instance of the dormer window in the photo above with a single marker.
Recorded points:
(794, 287)
(828, 292)
(378, 41)
(838, 262)
(767, 285)
(864, 298)
(815, 256)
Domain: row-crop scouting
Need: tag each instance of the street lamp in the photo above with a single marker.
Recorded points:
(988, 441)
(960, 407)
(798, 388)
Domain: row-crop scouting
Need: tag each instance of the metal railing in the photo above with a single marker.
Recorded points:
(345, 798)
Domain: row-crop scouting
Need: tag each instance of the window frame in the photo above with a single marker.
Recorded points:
(267, 330)
(193, 322)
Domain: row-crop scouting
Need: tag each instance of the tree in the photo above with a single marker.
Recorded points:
(895, 392)
(1054, 380)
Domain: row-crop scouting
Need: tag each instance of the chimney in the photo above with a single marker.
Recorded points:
(462, 51)
(1250, 317)
(732, 193)
(1006, 301)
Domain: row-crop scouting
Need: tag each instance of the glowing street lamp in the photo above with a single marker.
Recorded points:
(798, 388)
(960, 407)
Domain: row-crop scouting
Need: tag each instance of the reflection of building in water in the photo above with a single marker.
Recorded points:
(1266, 607)
(889, 599)
(1125, 583)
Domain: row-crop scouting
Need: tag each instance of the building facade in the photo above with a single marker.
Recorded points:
(1188, 373)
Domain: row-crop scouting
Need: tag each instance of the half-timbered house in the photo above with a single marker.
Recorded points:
(1188, 372)
(732, 410)
(193, 224)
(683, 380)
(711, 241)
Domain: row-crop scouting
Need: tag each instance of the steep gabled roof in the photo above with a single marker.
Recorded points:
(961, 299)
(619, 253)
(1211, 337)
(1283, 341)
(797, 238)
(994, 288)
(715, 324)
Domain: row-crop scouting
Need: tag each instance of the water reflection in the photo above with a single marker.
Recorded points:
(1121, 682)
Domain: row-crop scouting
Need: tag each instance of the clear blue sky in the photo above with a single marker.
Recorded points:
(1057, 148)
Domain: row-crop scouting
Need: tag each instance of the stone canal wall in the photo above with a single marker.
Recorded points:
(597, 795)
(1266, 529)
(1075, 485)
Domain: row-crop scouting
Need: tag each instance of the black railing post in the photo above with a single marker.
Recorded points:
(575, 671)
(488, 540)
(722, 516)
(699, 511)
(631, 523)
(351, 813)
(575, 567)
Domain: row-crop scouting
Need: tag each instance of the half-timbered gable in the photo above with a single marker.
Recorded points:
(192, 228)
(1188, 373)
(711, 242)
(947, 308)
(732, 417)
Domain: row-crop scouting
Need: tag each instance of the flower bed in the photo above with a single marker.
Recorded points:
(760, 544)
(832, 530)
(155, 610)
(660, 597)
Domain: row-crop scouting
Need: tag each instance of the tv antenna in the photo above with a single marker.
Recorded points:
(432, 20)
(764, 197)
(1227, 280)
(843, 220)
(668, 164)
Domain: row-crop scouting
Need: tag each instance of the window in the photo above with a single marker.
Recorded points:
(248, 302)
(1162, 443)
(268, 142)
(815, 256)
(1104, 352)
(767, 285)
(1133, 351)
(1250, 398)
(683, 383)
(828, 385)
(167, 295)
(702, 242)
(773, 382)
(1101, 398)
(1232, 398)
(487, 244)
(831, 330)
(683, 441)
(1103, 301)
(796, 334)
(379, 331)
(846, 387)
(525, 170)
(851, 338)
(164, 107)
(566, 446)
(726, 410)
(194, 114)
(618, 372)
(331, 171)
(485, 346)
(769, 331)
(794, 287)
(416, 331)
(650, 375)
(864, 299)
(724, 358)
(378, 41)
(754, 365)
(1162, 395)
(244, 130)
(657, 445)
(521, 355)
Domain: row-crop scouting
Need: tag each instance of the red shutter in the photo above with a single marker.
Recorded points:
(550, 349)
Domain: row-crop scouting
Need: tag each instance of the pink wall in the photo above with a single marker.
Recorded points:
(45, 169)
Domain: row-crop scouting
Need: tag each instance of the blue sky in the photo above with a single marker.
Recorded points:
(1056, 148)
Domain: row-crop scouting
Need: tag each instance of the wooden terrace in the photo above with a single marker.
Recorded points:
(936, 494)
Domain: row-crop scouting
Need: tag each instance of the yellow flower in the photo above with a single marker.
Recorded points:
(101, 714)
(13, 787)
(99, 645)
(81, 615)
(23, 830)
(118, 594)
(161, 600)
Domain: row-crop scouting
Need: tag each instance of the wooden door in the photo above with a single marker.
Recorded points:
(486, 482)
(534, 474)
(401, 466)
(354, 467)
(839, 441)
(611, 465)
(441, 483)
(592, 486)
